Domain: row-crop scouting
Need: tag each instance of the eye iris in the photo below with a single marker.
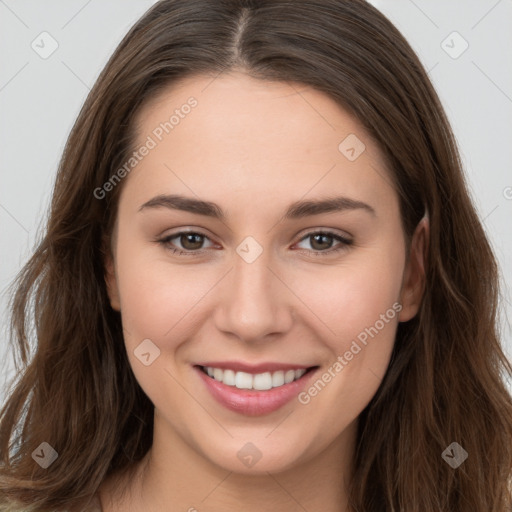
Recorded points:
(184, 238)
(319, 236)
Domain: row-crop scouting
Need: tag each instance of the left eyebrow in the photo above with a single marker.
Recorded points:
(302, 209)
(296, 210)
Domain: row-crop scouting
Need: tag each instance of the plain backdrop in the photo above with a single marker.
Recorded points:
(465, 46)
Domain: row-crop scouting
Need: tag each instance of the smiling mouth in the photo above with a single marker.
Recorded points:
(256, 382)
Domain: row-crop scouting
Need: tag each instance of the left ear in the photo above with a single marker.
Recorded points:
(413, 285)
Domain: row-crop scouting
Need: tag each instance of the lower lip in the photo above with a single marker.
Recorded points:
(250, 402)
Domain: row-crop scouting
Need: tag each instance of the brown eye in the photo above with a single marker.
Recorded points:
(184, 242)
(321, 242)
(191, 241)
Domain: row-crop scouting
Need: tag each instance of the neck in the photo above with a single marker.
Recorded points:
(174, 474)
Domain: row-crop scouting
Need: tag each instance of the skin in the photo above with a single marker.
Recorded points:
(253, 147)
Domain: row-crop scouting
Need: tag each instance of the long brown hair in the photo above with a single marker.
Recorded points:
(445, 381)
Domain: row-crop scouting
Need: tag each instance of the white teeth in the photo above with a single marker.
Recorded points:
(243, 380)
(289, 376)
(262, 381)
(229, 377)
(299, 373)
(259, 381)
(277, 379)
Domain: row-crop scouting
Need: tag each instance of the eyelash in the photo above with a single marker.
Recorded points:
(343, 245)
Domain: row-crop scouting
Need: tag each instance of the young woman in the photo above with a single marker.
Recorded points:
(263, 285)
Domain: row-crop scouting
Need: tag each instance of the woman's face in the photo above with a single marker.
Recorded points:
(264, 285)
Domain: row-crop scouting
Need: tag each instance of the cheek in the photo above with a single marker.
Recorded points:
(354, 295)
(159, 301)
(359, 302)
(362, 309)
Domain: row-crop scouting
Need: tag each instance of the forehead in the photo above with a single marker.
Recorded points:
(251, 110)
(254, 137)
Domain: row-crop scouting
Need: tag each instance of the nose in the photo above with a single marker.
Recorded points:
(254, 302)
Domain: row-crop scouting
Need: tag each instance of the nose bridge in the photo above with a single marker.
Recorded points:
(254, 302)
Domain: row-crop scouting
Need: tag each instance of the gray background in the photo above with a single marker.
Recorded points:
(41, 97)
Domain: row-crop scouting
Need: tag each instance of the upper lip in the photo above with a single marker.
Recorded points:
(239, 366)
